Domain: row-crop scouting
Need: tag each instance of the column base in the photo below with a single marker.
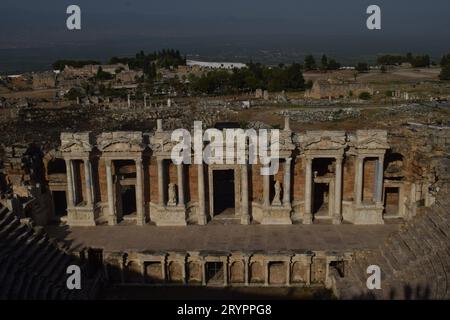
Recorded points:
(112, 220)
(140, 221)
(245, 219)
(368, 214)
(170, 216)
(82, 216)
(277, 215)
(202, 220)
(337, 220)
(307, 218)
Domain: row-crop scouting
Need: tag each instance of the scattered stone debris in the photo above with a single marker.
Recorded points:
(321, 115)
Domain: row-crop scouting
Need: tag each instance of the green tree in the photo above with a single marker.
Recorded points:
(409, 57)
(365, 96)
(445, 72)
(324, 63)
(295, 78)
(421, 61)
(310, 63)
(362, 67)
(333, 65)
(445, 59)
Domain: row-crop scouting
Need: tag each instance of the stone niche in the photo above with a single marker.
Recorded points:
(133, 272)
(319, 270)
(153, 272)
(257, 272)
(277, 273)
(237, 272)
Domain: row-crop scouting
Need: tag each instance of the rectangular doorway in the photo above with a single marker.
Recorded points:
(391, 201)
(59, 203)
(128, 194)
(223, 192)
(321, 199)
(214, 272)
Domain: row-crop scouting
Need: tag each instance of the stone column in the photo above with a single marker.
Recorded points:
(201, 196)
(245, 216)
(112, 218)
(266, 191)
(288, 273)
(225, 272)
(204, 273)
(287, 183)
(266, 273)
(142, 263)
(308, 271)
(183, 271)
(88, 182)
(180, 176)
(70, 189)
(379, 180)
(246, 269)
(140, 216)
(75, 184)
(163, 269)
(359, 171)
(337, 219)
(160, 165)
(307, 217)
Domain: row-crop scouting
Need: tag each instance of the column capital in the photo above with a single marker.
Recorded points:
(138, 161)
(360, 157)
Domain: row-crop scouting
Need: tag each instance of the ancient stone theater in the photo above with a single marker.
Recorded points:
(117, 199)
(324, 176)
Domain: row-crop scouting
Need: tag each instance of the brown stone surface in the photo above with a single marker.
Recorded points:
(225, 237)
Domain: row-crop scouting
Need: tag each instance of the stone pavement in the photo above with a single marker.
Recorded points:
(225, 237)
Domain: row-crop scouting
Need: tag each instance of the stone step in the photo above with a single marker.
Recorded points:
(390, 258)
(6, 267)
(9, 228)
(411, 243)
(420, 236)
(7, 219)
(435, 232)
(40, 268)
(34, 250)
(37, 258)
(400, 255)
(414, 242)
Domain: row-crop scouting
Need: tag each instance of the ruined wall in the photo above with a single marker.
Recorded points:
(368, 179)
(348, 175)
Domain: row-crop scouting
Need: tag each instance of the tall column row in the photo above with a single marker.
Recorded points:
(378, 180)
(337, 214)
(89, 192)
(73, 198)
(162, 183)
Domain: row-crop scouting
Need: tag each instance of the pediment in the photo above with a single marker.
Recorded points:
(323, 143)
(372, 143)
(76, 146)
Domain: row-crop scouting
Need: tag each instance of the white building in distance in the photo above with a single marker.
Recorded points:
(216, 65)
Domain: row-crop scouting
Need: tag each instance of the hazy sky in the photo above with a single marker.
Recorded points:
(43, 22)
(196, 25)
